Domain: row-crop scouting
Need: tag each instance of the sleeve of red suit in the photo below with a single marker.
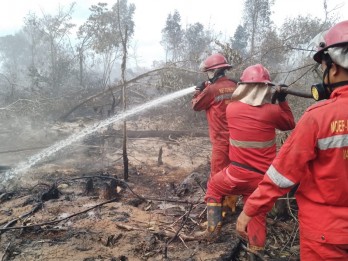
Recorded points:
(202, 100)
(286, 121)
(287, 169)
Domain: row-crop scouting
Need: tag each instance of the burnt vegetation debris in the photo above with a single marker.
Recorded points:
(138, 223)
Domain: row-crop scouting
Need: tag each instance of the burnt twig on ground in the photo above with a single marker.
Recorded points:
(177, 232)
(6, 252)
(58, 220)
(9, 224)
(6, 196)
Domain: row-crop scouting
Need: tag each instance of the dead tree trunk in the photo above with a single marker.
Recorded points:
(160, 161)
(124, 97)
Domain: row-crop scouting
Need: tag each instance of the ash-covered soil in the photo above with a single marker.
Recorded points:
(77, 205)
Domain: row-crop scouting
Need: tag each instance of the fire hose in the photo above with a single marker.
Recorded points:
(292, 92)
(296, 93)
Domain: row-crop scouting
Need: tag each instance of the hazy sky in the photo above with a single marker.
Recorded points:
(150, 16)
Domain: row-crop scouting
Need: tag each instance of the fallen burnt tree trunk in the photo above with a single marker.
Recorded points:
(18, 150)
(165, 134)
(118, 88)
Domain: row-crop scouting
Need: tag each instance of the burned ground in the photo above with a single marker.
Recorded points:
(77, 206)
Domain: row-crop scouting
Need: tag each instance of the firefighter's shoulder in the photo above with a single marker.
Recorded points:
(233, 80)
(320, 104)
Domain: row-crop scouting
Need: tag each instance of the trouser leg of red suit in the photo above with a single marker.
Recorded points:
(219, 158)
(237, 181)
(256, 229)
(312, 250)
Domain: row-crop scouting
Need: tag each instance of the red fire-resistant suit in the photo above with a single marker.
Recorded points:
(316, 157)
(252, 147)
(214, 100)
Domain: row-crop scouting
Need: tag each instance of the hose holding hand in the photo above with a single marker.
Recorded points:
(281, 95)
(200, 86)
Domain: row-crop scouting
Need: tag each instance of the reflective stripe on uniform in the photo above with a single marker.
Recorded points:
(337, 141)
(226, 96)
(252, 144)
(214, 204)
(278, 178)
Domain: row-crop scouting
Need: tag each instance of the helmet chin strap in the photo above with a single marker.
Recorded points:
(335, 85)
(329, 87)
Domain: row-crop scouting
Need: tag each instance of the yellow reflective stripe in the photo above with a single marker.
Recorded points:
(214, 204)
(252, 144)
(278, 178)
(226, 96)
(337, 141)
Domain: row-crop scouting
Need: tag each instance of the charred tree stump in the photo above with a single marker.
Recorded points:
(106, 191)
(52, 193)
(89, 187)
(109, 190)
(159, 161)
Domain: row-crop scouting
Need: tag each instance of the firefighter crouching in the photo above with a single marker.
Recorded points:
(252, 121)
(315, 156)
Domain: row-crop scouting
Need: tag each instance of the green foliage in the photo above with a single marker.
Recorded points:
(240, 40)
(105, 27)
(272, 50)
(257, 21)
(105, 31)
(172, 37)
(197, 41)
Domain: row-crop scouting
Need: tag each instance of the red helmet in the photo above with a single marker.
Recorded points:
(214, 61)
(336, 36)
(256, 74)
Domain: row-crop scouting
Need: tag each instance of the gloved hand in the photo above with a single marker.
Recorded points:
(200, 86)
(281, 94)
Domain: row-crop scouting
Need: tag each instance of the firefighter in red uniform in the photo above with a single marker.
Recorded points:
(252, 121)
(213, 97)
(315, 156)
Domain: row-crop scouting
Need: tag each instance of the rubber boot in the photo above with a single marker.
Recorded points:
(214, 221)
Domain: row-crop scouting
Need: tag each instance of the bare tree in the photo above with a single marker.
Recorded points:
(257, 21)
(55, 29)
(99, 33)
(301, 29)
(82, 46)
(35, 39)
(126, 29)
(13, 53)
